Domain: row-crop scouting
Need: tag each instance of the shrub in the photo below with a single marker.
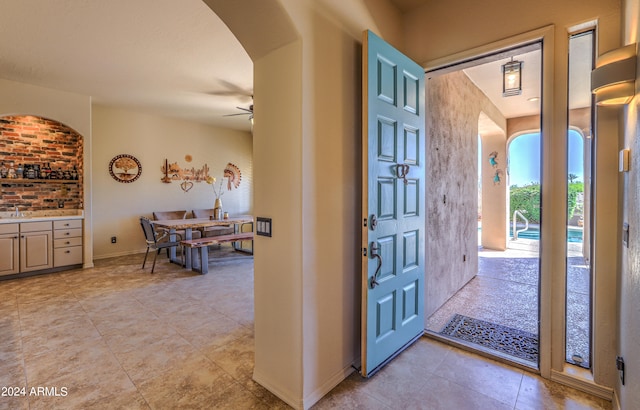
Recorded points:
(526, 198)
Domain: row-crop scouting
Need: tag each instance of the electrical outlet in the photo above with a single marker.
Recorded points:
(113, 239)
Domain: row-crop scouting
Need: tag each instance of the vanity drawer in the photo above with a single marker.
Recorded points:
(67, 233)
(67, 256)
(63, 243)
(67, 224)
(35, 226)
(8, 228)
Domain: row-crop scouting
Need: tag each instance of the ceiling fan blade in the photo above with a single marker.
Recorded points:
(233, 115)
(231, 90)
(248, 110)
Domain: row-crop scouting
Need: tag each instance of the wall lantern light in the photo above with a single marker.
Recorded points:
(512, 78)
(613, 79)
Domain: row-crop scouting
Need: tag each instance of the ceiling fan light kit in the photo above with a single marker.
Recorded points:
(613, 79)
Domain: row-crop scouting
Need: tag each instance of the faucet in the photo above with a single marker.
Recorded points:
(18, 214)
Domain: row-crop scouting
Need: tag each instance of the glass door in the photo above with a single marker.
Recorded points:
(579, 217)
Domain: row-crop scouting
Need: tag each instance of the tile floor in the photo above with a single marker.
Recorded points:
(117, 337)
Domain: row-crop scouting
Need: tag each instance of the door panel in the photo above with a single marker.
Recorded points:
(393, 203)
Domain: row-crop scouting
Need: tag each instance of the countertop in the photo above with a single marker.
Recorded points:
(36, 216)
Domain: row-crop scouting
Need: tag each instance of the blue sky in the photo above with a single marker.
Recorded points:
(525, 158)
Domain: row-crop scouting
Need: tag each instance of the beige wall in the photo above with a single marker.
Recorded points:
(438, 34)
(628, 347)
(494, 194)
(305, 163)
(312, 268)
(278, 265)
(117, 206)
(294, 317)
(74, 111)
(307, 167)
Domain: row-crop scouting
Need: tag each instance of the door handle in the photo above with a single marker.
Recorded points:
(373, 282)
(402, 170)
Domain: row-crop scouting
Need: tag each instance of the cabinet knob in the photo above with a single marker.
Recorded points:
(67, 252)
(66, 224)
(67, 233)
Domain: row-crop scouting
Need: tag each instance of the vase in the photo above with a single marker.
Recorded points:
(217, 209)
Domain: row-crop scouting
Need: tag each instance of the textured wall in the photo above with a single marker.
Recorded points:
(454, 105)
(629, 286)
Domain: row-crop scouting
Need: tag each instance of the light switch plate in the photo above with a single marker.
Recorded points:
(263, 226)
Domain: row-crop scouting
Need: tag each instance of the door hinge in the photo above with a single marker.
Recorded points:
(364, 251)
(365, 222)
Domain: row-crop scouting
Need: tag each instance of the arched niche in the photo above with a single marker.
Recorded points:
(35, 140)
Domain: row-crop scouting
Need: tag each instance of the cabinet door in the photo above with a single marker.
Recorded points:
(36, 251)
(9, 254)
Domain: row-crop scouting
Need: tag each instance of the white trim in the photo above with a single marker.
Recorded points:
(116, 254)
(491, 48)
(546, 35)
(326, 387)
(615, 402)
(311, 399)
(286, 396)
(584, 385)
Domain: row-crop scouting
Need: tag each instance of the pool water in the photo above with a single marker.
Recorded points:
(573, 235)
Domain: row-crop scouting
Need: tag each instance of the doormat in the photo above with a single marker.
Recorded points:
(514, 342)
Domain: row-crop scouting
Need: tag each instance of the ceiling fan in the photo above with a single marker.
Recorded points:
(247, 111)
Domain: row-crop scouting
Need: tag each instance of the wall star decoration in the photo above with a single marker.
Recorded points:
(125, 168)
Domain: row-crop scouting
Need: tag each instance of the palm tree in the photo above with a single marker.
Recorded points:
(572, 177)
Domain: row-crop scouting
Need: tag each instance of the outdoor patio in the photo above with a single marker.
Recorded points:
(503, 300)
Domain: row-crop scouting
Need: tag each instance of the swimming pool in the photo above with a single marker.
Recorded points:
(573, 234)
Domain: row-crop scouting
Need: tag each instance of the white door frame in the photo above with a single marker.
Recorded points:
(549, 259)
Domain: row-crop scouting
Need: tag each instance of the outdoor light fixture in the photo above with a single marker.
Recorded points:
(512, 78)
(613, 80)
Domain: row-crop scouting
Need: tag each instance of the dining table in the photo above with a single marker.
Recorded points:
(188, 225)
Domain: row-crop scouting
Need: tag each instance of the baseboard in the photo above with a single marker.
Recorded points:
(285, 396)
(310, 400)
(587, 386)
(615, 403)
(117, 254)
(327, 386)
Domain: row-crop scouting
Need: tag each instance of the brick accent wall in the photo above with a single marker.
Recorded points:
(36, 140)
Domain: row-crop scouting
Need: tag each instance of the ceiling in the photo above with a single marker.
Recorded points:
(148, 55)
(154, 56)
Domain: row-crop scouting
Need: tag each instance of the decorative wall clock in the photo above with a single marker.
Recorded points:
(125, 168)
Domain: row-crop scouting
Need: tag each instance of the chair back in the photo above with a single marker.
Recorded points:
(149, 232)
(164, 215)
(202, 213)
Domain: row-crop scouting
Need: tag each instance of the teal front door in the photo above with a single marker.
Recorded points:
(392, 203)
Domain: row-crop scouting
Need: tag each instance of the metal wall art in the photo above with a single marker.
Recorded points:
(187, 176)
(125, 168)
